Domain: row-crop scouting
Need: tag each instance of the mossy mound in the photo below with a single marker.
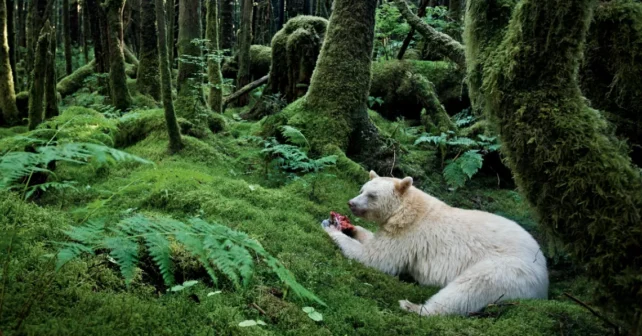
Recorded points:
(260, 60)
(223, 179)
(392, 81)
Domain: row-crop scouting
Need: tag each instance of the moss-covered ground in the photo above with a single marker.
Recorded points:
(222, 179)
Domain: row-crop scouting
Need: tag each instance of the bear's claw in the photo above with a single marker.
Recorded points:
(325, 224)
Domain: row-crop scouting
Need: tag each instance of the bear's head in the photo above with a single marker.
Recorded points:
(380, 198)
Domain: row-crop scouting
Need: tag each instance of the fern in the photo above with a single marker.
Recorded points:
(16, 167)
(294, 136)
(462, 168)
(219, 249)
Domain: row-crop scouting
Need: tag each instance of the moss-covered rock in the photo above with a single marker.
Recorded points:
(75, 81)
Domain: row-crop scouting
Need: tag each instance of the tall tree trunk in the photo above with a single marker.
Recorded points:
(190, 100)
(577, 177)
(117, 78)
(215, 98)
(37, 90)
(86, 31)
(455, 9)
(74, 22)
(51, 95)
(421, 12)
(96, 23)
(175, 142)
(295, 7)
(172, 37)
(245, 40)
(7, 91)
(227, 25)
(148, 81)
(338, 93)
(262, 23)
(280, 13)
(66, 35)
(11, 39)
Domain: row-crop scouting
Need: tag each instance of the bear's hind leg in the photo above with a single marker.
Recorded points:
(487, 282)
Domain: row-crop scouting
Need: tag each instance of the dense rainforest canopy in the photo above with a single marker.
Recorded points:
(165, 164)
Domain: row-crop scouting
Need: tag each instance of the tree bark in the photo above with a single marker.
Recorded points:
(421, 12)
(245, 40)
(565, 161)
(227, 25)
(454, 9)
(295, 7)
(86, 31)
(11, 40)
(336, 102)
(171, 30)
(51, 95)
(190, 100)
(215, 98)
(147, 79)
(7, 91)
(175, 142)
(66, 35)
(37, 90)
(120, 96)
(438, 41)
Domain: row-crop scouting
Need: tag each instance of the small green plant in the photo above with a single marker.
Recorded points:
(468, 157)
(218, 249)
(374, 100)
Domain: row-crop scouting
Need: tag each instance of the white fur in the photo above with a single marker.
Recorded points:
(477, 257)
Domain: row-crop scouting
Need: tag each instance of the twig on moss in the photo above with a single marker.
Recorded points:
(598, 315)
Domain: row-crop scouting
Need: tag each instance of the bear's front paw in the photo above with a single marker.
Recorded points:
(408, 306)
(328, 226)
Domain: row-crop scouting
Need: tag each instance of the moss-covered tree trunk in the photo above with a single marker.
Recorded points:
(295, 7)
(454, 9)
(11, 31)
(147, 79)
(7, 92)
(190, 101)
(66, 35)
(120, 96)
(175, 142)
(51, 95)
(245, 40)
(170, 18)
(338, 93)
(86, 31)
(37, 90)
(579, 179)
(215, 97)
(101, 52)
(227, 25)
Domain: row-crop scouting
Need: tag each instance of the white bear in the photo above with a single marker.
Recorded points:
(477, 257)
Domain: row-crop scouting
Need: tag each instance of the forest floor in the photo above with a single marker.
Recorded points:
(222, 178)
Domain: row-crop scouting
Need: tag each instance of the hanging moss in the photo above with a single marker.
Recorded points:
(611, 73)
(37, 90)
(148, 77)
(576, 175)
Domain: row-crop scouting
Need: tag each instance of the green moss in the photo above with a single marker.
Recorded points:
(610, 70)
(569, 167)
(260, 61)
(75, 81)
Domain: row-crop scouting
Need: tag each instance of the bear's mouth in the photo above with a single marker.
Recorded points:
(358, 212)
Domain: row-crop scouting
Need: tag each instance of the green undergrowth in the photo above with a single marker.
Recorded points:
(221, 178)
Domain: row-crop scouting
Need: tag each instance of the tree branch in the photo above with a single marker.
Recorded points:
(438, 41)
(244, 90)
(421, 12)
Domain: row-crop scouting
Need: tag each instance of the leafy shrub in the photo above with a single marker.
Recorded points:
(215, 246)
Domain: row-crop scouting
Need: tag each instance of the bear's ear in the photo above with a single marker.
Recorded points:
(373, 175)
(404, 185)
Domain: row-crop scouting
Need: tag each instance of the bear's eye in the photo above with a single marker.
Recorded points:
(372, 196)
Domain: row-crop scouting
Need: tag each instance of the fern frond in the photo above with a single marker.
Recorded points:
(125, 251)
(88, 234)
(462, 141)
(454, 175)
(70, 252)
(294, 136)
(432, 139)
(470, 162)
(219, 254)
(159, 249)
